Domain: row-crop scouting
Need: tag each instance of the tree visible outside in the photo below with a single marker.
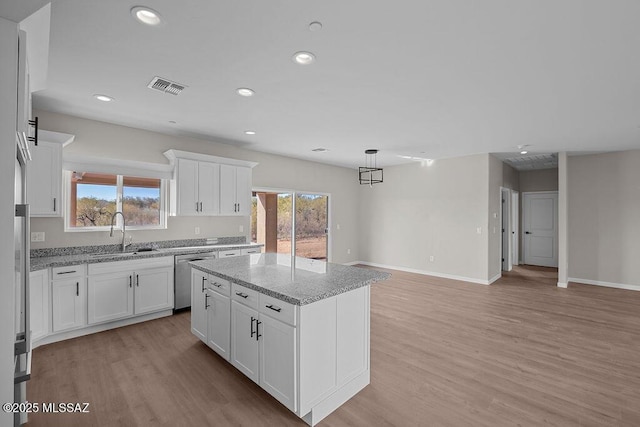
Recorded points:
(311, 224)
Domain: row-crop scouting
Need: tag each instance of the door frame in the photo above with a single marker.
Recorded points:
(524, 213)
(506, 263)
(294, 193)
(515, 225)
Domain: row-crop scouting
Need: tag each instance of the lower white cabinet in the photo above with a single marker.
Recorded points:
(118, 290)
(264, 349)
(218, 322)
(211, 312)
(69, 296)
(39, 303)
(311, 358)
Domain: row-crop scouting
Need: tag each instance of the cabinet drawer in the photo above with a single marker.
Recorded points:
(229, 253)
(219, 285)
(130, 265)
(63, 273)
(250, 251)
(245, 296)
(277, 309)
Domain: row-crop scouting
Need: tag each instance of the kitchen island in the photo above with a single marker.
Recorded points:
(297, 327)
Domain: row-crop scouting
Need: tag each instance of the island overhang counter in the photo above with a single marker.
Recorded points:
(297, 327)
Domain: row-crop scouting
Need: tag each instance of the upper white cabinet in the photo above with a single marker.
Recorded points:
(44, 174)
(235, 190)
(209, 185)
(196, 188)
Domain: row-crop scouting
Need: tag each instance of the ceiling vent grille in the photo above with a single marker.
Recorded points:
(166, 86)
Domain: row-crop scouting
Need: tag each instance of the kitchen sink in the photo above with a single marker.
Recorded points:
(119, 254)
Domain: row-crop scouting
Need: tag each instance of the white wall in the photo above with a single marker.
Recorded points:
(119, 142)
(8, 108)
(424, 210)
(500, 175)
(604, 217)
(539, 180)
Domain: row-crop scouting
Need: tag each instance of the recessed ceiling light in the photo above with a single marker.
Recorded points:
(103, 98)
(304, 58)
(250, 132)
(524, 152)
(315, 26)
(245, 91)
(146, 15)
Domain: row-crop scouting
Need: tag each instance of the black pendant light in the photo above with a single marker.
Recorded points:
(370, 174)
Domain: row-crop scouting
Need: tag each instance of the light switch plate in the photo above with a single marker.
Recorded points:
(37, 236)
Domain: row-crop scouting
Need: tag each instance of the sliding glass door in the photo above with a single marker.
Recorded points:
(274, 224)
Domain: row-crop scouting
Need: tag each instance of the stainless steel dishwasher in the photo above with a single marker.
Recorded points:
(182, 277)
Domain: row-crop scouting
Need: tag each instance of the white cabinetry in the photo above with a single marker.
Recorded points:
(39, 303)
(210, 311)
(235, 190)
(44, 174)
(196, 188)
(198, 310)
(117, 290)
(69, 296)
(263, 348)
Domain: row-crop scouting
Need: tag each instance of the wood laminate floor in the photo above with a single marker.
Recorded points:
(520, 352)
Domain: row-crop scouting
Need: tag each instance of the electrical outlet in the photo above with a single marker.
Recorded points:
(37, 236)
(197, 230)
(431, 258)
(241, 229)
(479, 230)
(348, 251)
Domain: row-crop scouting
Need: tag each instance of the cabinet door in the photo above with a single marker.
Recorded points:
(44, 188)
(209, 188)
(68, 304)
(243, 190)
(228, 190)
(219, 323)
(244, 343)
(198, 311)
(39, 303)
(153, 290)
(187, 187)
(278, 360)
(109, 297)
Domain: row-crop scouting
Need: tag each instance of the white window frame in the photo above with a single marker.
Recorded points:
(164, 197)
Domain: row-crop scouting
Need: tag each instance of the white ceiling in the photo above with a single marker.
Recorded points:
(431, 79)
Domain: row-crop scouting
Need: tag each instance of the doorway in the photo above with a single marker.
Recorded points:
(304, 234)
(505, 195)
(540, 228)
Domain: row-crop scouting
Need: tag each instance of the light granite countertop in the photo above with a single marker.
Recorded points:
(298, 281)
(41, 262)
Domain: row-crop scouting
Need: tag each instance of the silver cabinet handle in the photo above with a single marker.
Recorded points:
(252, 320)
(217, 285)
(203, 279)
(242, 295)
(66, 272)
(206, 301)
(258, 335)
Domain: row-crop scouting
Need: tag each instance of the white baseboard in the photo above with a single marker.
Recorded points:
(605, 284)
(563, 285)
(428, 273)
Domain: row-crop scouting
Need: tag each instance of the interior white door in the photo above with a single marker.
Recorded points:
(540, 228)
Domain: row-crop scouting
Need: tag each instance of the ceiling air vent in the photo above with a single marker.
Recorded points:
(166, 86)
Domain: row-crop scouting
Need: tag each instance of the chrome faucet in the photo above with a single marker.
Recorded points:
(124, 246)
